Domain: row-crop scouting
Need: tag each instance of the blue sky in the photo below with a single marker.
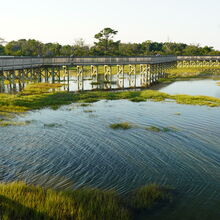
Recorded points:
(63, 21)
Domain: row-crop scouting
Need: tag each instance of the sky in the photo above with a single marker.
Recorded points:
(64, 21)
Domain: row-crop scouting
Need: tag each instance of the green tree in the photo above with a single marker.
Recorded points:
(106, 45)
(2, 48)
(80, 48)
(192, 50)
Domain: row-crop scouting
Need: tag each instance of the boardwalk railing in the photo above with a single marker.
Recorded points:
(198, 58)
(16, 63)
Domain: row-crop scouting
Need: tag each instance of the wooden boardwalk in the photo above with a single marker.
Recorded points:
(149, 68)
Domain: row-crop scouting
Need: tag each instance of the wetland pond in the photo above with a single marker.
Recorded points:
(74, 146)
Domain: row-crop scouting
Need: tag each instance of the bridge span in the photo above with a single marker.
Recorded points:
(149, 68)
(16, 63)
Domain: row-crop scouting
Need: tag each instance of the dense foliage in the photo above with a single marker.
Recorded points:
(104, 45)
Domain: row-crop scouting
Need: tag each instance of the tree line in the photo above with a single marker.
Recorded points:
(104, 45)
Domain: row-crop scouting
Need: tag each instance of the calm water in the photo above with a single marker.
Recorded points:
(81, 150)
(207, 87)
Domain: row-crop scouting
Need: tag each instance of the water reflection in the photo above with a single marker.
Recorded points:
(91, 82)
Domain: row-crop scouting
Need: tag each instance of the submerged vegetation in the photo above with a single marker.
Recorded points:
(21, 201)
(52, 125)
(88, 111)
(155, 194)
(157, 129)
(153, 128)
(38, 88)
(6, 123)
(122, 125)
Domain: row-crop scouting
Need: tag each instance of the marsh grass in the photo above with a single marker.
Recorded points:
(138, 99)
(88, 111)
(164, 129)
(85, 104)
(6, 123)
(122, 125)
(52, 125)
(11, 105)
(183, 74)
(38, 88)
(21, 201)
(193, 72)
(149, 196)
(153, 128)
(177, 113)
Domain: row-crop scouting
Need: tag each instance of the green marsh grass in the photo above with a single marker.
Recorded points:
(122, 125)
(6, 123)
(149, 196)
(153, 128)
(177, 113)
(85, 105)
(163, 129)
(52, 125)
(21, 201)
(191, 73)
(37, 88)
(88, 111)
(11, 105)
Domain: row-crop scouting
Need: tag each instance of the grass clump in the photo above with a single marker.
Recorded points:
(177, 113)
(37, 88)
(6, 123)
(85, 104)
(122, 125)
(153, 128)
(21, 201)
(165, 129)
(88, 111)
(148, 197)
(138, 99)
(52, 125)
(218, 83)
(197, 100)
(187, 73)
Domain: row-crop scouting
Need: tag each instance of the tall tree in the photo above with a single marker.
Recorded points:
(2, 48)
(106, 45)
(80, 48)
(2, 41)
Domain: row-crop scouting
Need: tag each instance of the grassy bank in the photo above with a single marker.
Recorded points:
(21, 201)
(183, 73)
(37, 97)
